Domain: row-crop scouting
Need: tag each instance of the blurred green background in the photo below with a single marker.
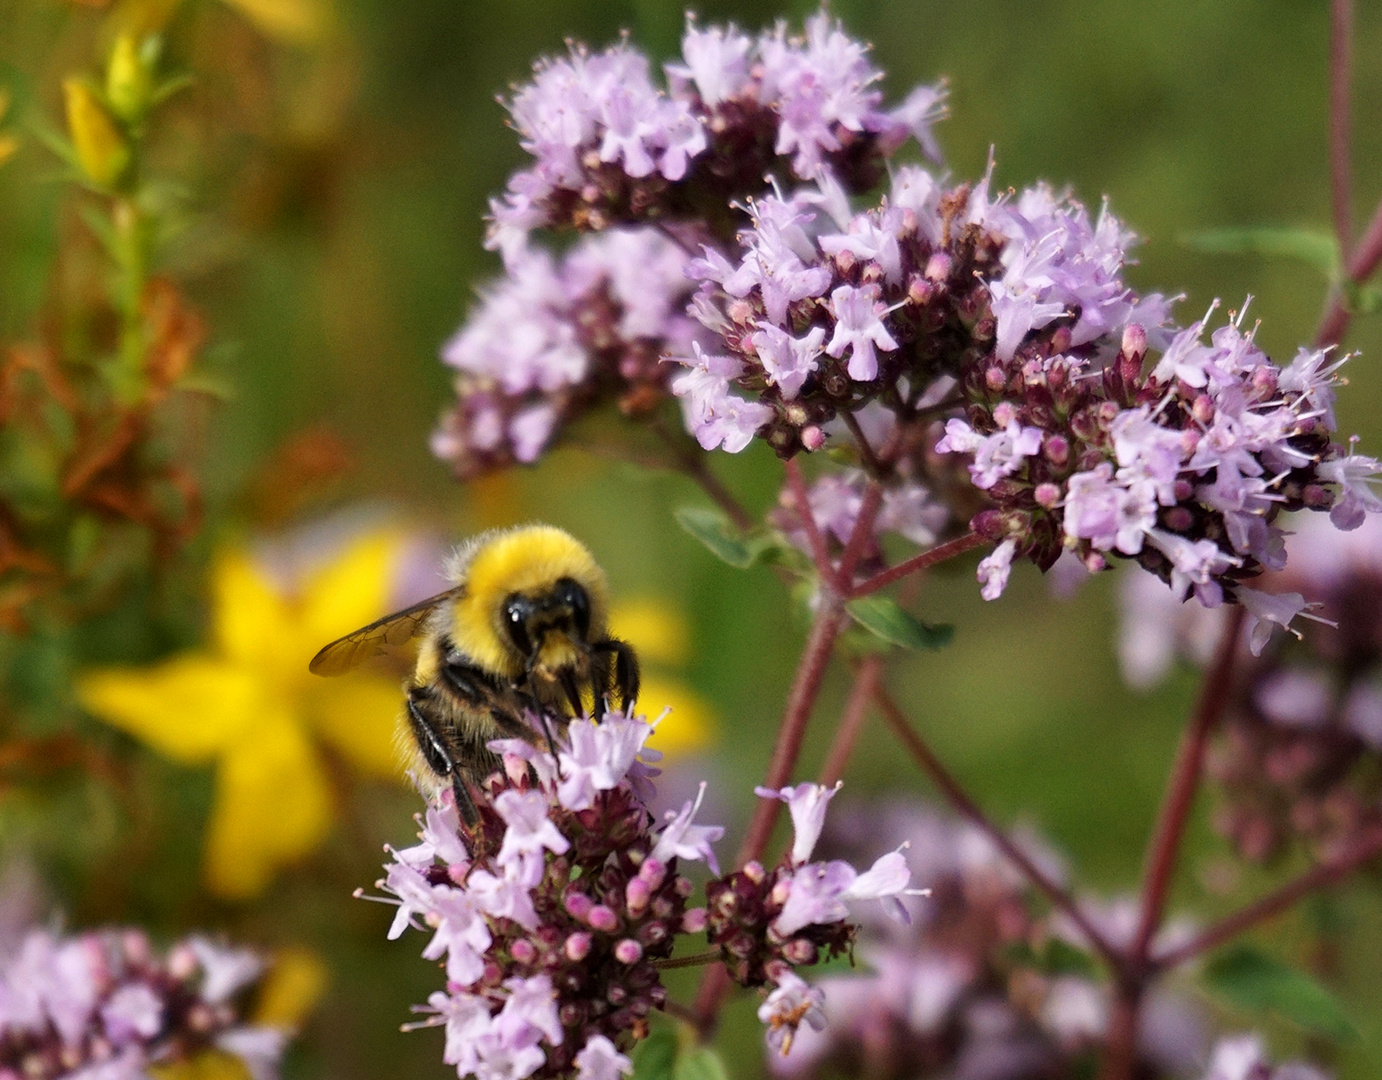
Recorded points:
(337, 243)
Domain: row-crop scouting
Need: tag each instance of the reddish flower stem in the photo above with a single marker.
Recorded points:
(801, 496)
(1274, 903)
(1180, 790)
(863, 532)
(1359, 267)
(805, 688)
(966, 807)
(1340, 167)
(927, 559)
(852, 720)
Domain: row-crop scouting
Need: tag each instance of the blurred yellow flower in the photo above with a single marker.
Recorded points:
(297, 22)
(8, 143)
(249, 706)
(661, 638)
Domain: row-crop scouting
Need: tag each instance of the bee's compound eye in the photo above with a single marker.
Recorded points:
(516, 612)
(578, 600)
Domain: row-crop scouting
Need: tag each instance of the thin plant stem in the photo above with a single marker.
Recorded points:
(1367, 253)
(1275, 902)
(699, 959)
(819, 555)
(927, 559)
(1340, 136)
(967, 808)
(806, 685)
(871, 462)
(863, 532)
(1182, 785)
(852, 720)
(829, 620)
(1120, 1045)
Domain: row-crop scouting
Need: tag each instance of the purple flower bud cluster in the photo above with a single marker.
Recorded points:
(836, 499)
(1182, 468)
(558, 336)
(978, 983)
(821, 311)
(105, 1005)
(611, 147)
(552, 917)
(1299, 758)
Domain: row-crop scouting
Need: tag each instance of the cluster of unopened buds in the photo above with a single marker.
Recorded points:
(1299, 754)
(554, 917)
(106, 1005)
(978, 354)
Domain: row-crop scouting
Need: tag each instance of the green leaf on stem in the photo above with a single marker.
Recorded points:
(699, 1063)
(715, 531)
(655, 1058)
(885, 618)
(1362, 299)
(1314, 247)
(1252, 980)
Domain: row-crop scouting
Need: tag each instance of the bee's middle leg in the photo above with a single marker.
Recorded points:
(439, 757)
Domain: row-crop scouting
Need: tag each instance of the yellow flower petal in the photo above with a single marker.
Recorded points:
(252, 617)
(657, 631)
(689, 726)
(207, 1065)
(189, 708)
(297, 22)
(292, 988)
(273, 806)
(358, 715)
(350, 591)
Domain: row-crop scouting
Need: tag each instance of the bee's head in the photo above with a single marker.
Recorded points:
(546, 626)
(533, 597)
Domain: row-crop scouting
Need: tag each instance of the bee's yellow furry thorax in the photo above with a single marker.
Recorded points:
(529, 560)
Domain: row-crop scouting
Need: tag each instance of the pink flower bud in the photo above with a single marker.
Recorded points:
(938, 266)
(578, 905)
(577, 946)
(1047, 494)
(636, 896)
(602, 918)
(523, 951)
(628, 951)
(754, 872)
(653, 871)
(1134, 340)
(812, 437)
(693, 920)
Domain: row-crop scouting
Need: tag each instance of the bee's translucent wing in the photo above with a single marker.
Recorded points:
(355, 648)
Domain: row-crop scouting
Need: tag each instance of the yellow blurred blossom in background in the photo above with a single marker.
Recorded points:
(660, 636)
(249, 706)
(9, 145)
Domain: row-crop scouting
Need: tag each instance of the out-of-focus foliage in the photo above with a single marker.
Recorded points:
(221, 301)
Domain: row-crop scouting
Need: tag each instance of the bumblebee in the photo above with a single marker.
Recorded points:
(521, 631)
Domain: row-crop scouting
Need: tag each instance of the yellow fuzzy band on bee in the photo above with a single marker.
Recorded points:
(528, 560)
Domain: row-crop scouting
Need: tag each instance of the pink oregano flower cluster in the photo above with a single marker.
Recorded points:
(612, 147)
(978, 353)
(551, 920)
(106, 1005)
